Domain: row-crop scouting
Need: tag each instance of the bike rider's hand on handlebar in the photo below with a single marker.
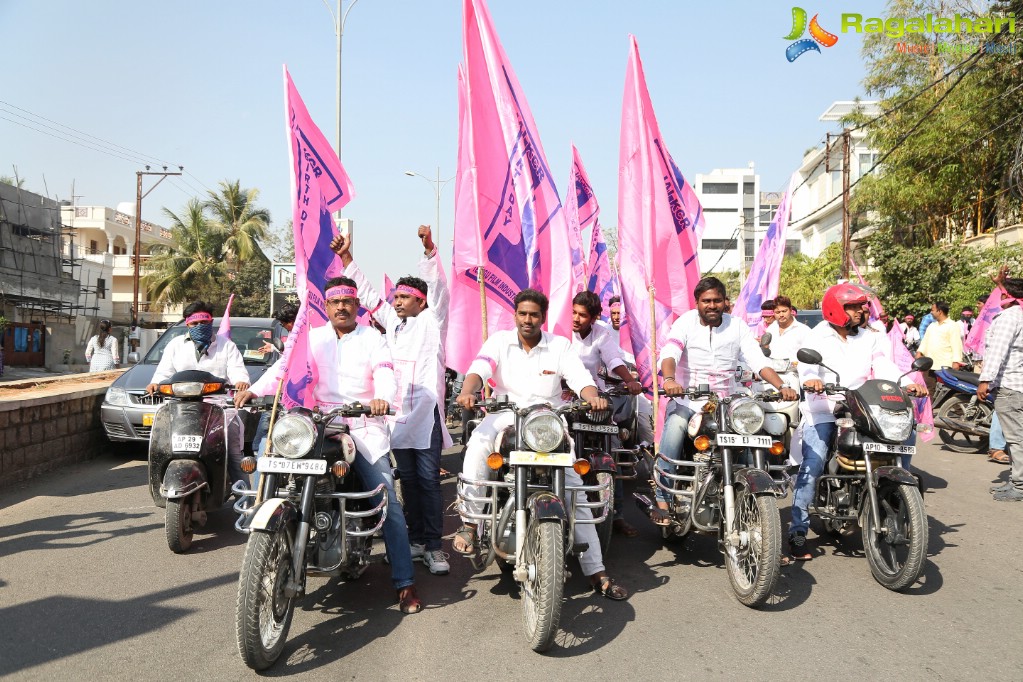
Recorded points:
(596, 402)
(814, 385)
(788, 394)
(243, 396)
(672, 387)
(378, 408)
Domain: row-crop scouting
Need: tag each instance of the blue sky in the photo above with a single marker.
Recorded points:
(198, 83)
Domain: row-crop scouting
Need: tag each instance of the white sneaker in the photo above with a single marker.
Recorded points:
(417, 551)
(437, 562)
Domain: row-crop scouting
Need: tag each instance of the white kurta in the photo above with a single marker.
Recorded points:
(785, 342)
(417, 349)
(598, 349)
(221, 359)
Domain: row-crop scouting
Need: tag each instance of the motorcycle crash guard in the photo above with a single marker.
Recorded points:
(546, 507)
(759, 482)
(272, 515)
(182, 478)
(894, 474)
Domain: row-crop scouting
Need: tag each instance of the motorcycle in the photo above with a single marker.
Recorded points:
(722, 486)
(527, 512)
(311, 516)
(963, 420)
(188, 453)
(781, 418)
(863, 482)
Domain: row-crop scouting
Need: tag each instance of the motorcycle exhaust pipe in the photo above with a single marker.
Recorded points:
(960, 427)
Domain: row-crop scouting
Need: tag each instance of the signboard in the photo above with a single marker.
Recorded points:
(282, 285)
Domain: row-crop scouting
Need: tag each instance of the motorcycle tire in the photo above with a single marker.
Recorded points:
(544, 553)
(958, 408)
(905, 526)
(177, 524)
(262, 625)
(753, 570)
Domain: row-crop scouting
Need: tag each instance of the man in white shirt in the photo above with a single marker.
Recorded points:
(857, 355)
(527, 365)
(201, 349)
(787, 333)
(415, 331)
(910, 332)
(705, 346)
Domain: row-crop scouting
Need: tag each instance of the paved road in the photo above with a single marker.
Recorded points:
(89, 590)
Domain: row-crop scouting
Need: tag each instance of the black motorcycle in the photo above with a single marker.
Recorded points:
(963, 420)
(862, 481)
(188, 453)
(310, 517)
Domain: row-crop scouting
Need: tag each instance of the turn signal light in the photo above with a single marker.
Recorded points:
(702, 443)
(495, 461)
(166, 389)
(211, 388)
(581, 466)
(777, 448)
(248, 465)
(340, 468)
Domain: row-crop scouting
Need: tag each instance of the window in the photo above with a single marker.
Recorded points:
(791, 247)
(749, 249)
(93, 246)
(766, 217)
(747, 187)
(720, 244)
(101, 288)
(747, 216)
(720, 188)
(720, 210)
(867, 162)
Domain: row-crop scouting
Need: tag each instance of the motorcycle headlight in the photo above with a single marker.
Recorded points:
(543, 431)
(117, 396)
(745, 416)
(186, 389)
(293, 436)
(780, 365)
(894, 425)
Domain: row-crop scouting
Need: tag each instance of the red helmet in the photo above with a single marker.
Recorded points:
(837, 297)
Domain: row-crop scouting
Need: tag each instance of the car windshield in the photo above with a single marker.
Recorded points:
(248, 339)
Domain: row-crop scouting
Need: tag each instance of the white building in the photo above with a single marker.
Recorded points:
(817, 203)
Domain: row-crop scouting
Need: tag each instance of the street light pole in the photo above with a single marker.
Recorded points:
(438, 186)
(139, 196)
(339, 18)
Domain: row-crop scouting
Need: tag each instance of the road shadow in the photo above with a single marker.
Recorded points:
(80, 479)
(56, 627)
(70, 531)
(218, 532)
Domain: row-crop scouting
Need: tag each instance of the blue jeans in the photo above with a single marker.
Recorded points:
(420, 487)
(996, 440)
(395, 533)
(259, 444)
(816, 439)
(673, 437)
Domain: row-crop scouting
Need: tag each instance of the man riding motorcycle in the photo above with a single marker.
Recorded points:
(857, 356)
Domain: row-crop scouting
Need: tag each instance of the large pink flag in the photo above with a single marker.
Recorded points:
(903, 359)
(224, 331)
(992, 306)
(581, 210)
(319, 185)
(602, 280)
(658, 219)
(524, 233)
(762, 283)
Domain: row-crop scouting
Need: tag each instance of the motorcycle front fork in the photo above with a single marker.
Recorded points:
(521, 571)
(296, 585)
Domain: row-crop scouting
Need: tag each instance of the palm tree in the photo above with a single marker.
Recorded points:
(193, 263)
(234, 214)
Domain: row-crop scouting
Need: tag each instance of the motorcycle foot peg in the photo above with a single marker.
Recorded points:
(580, 547)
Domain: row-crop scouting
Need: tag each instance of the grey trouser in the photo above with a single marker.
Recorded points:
(1009, 408)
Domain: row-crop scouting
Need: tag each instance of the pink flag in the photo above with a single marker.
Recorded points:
(975, 339)
(876, 309)
(224, 331)
(658, 219)
(762, 283)
(523, 231)
(319, 185)
(903, 359)
(388, 289)
(581, 210)
(602, 278)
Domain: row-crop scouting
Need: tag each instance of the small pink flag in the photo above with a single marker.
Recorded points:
(876, 309)
(762, 282)
(581, 211)
(903, 359)
(992, 306)
(224, 331)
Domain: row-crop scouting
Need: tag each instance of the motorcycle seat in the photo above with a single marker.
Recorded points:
(968, 377)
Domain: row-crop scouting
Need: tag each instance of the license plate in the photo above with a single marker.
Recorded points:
(733, 440)
(281, 465)
(541, 459)
(147, 419)
(181, 443)
(596, 428)
(891, 449)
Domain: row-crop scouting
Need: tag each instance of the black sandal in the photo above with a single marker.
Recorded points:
(607, 587)
(660, 517)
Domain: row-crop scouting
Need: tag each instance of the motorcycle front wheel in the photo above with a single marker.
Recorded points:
(263, 612)
(177, 524)
(544, 555)
(896, 554)
(753, 567)
(958, 408)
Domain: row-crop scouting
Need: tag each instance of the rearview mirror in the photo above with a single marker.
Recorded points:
(133, 358)
(809, 356)
(922, 364)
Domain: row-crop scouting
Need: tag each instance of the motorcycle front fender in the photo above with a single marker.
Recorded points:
(546, 507)
(759, 482)
(602, 463)
(182, 478)
(272, 515)
(894, 474)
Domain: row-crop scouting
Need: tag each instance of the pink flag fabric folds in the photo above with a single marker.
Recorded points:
(992, 306)
(876, 309)
(903, 359)
(581, 211)
(224, 331)
(762, 282)
(659, 217)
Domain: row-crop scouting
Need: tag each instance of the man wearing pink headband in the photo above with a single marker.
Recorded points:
(415, 328)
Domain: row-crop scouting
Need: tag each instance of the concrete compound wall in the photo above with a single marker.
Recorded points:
(42, 433)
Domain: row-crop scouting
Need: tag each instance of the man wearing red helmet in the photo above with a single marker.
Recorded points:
(856, 356)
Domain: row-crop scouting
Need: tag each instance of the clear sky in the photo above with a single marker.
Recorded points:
(198, 83)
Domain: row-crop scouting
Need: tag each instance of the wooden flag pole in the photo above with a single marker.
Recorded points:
(480, 273)
(653, 361)
(270, 430)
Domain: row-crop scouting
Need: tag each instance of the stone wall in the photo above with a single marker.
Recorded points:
(44, 432)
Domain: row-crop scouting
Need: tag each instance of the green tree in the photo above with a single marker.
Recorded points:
(193, 262)
(235, 216)
(804, 279)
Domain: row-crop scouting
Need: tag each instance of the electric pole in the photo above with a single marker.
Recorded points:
(139, 196)
(846, 223)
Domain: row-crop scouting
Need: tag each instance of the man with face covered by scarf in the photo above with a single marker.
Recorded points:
(201, 349)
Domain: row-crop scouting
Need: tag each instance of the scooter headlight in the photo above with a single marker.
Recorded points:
(745, 416)
(293, 436)
(543, 431)
(894, 425)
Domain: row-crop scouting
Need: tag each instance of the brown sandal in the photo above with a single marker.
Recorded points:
(408, 600)
(999, 457)
(607, 587)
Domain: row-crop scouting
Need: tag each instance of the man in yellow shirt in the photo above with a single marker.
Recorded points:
(942, 342)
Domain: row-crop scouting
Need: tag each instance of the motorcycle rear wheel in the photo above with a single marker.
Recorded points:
(544, 554)
(177, 524)
(263, 613)
(753, 569)
(958, 408)
(896, 555)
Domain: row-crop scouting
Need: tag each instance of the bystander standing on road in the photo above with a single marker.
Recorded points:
(101, 351)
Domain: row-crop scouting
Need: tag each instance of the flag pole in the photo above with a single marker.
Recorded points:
(653, 360)
(480, 272)
(269, 430)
